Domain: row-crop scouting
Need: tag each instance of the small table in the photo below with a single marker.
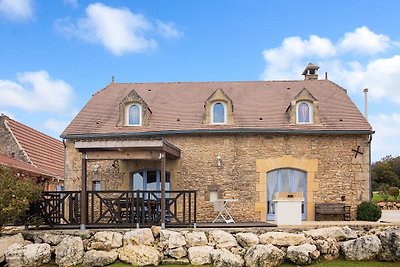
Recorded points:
(223, 207)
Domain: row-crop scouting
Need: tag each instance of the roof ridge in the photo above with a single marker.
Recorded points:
(178, 82)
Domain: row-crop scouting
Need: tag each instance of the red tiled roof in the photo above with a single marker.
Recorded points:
(185, 101)
(45, 152)
(21, 165)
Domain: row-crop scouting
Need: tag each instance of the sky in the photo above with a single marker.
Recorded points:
(55, 54)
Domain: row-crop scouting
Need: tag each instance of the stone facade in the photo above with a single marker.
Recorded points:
(9, 145)
(334, 173)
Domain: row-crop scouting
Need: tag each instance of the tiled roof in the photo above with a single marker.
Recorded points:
(45, 152)
(180, 107)
(21, 165)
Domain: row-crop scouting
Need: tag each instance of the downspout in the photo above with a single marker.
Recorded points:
(65, 162)
(370, 172)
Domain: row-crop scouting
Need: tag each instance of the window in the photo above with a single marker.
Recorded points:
(284, 180)
(150, 180)
(96, 185)
(304, 113)
(218, 113)
(134, 115)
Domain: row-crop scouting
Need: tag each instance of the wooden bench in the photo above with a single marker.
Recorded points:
(332, 209)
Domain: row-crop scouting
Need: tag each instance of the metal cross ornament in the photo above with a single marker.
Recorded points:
(358, 151)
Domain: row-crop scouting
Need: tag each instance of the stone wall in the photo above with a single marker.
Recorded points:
(337, 175)
(236, 248)
(8, 144)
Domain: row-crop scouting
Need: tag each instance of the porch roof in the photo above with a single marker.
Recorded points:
(127, 149)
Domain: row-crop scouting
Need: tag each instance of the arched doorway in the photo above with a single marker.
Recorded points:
(285, 180)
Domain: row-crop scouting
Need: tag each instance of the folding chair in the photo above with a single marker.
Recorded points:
(220, 206)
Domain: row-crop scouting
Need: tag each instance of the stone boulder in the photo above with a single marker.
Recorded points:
(222, 239)
(31, 255)
(328, 248)
(7, 241)
(200, 255)
(282, 239)
(303, 254)
(170, 239)
(390, 240)
(362, 249)
(176, 253)
(324, 233)
(69, 252)
(139, 237)
(140, 255)
(247, 240)
(194, 239)
(350, 233)
(99, 258)
(106, 241)
(225, 258)
(264, 255)
(51, 239)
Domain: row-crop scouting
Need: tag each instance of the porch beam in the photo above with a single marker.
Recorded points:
(162, 169)
(172, 152)
(84, 204)
(113, 144)
(112, 155)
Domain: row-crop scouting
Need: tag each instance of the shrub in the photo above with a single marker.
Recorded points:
(368, 211)
(393, 191)
(15, 195)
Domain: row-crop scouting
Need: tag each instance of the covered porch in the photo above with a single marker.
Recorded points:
(120, 208)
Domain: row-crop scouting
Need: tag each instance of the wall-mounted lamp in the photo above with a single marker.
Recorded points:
(219, 161)
(96, 168)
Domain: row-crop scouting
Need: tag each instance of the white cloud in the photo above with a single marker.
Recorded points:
(73, 3)
(36, 91)
(168, 30)
(57, 126)
(118, 29)
(362, 40)
(386, 139)
(360, 70)
(16, 9)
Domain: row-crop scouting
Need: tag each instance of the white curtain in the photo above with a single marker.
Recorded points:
(272, 187)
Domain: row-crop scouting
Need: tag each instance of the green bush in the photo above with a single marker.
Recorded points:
(368, 211)
(393, 191)
(15, 195)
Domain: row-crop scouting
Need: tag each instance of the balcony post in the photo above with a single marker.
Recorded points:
(163, 163)
(84, 199)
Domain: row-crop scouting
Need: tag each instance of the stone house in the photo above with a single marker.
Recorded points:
(30, 153)
(240, 140)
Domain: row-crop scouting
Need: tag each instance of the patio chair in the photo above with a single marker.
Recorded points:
(221, 206)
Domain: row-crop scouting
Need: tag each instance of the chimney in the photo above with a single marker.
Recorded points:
(366, 103)
(311, 72)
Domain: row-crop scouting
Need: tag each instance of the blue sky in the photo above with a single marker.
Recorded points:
(56, 54)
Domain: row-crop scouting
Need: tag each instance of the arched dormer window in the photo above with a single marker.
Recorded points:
(219, 113)
(304, 113)
(133, 115)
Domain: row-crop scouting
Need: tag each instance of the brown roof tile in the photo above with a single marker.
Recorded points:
(45, 152)
(251, 100)
(21, 165)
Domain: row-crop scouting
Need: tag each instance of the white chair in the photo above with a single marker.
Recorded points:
(221, 206)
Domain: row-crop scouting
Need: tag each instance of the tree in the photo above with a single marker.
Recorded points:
(386, 172)
(15, 195)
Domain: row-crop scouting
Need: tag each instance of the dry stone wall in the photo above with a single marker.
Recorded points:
(234, 248)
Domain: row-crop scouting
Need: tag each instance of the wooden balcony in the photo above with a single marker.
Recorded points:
(116, 208)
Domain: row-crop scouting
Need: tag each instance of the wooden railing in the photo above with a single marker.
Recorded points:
(117, 208)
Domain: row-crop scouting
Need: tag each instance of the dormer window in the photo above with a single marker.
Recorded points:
(219, 113)
(134, 115)
(304, 113)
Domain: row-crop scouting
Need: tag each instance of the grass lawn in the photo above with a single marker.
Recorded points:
(336, 263)
(377, 198)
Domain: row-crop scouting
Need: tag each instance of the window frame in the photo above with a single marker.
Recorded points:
(310, 112)
(225, 113)
(127, 109)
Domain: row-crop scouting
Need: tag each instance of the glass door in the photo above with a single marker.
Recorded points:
(285, 180)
